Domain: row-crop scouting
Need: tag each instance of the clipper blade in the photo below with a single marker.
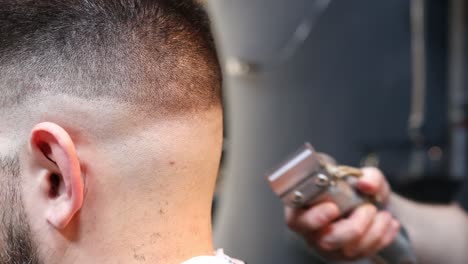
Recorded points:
(300, 178)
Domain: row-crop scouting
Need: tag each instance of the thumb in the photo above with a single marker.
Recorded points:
(373, 182)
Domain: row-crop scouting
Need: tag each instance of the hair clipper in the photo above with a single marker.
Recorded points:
(307, 178)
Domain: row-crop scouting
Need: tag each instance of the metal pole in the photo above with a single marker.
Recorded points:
(457, 96)
(418, 96)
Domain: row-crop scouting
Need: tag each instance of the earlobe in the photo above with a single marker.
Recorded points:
(55, 152)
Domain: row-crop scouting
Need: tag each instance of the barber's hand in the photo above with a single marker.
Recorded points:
(362, 234)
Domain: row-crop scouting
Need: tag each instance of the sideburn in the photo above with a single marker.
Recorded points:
(16, 243)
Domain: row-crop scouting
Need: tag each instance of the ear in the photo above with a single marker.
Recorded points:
(54, 151)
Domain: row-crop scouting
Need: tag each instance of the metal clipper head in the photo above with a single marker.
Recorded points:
(300, 179)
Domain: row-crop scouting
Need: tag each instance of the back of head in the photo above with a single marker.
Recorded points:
(146, 52)
(99, 97)
(67, 60)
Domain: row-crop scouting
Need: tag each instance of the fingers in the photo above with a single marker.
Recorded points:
(373, 182)
(309, 220)
(347, 230)
(390, 236)
(380, 233)
(361, 234)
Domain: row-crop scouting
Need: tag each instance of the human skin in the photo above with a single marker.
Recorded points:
(132, 187)
(438, 234)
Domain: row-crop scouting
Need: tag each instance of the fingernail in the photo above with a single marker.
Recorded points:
(329, 239)
(370, 210)
(326, 245)
(365, 186)
(326, 214)
(330, 210)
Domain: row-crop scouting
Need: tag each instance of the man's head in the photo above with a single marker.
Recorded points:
(110, 130)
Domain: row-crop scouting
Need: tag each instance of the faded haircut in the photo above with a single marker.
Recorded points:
(157, 54)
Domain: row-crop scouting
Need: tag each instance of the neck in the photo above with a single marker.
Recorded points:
(163, 232)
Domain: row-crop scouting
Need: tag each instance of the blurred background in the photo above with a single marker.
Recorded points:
(372, 83)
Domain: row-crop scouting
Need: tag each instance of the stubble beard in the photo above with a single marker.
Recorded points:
(16, 241)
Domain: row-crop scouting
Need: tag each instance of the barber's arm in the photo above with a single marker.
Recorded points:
(439, 234)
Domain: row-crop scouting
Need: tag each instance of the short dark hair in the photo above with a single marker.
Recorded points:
(156, 53)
